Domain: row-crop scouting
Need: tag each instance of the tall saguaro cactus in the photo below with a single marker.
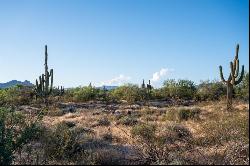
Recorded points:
(233, 79)
(44, 85)
(149, 88)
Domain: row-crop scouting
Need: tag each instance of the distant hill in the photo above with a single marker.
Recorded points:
(15, 82)
(107, 87)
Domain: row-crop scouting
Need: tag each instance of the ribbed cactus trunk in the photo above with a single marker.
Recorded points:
(233, 79)
(46, 76)
(229, 96)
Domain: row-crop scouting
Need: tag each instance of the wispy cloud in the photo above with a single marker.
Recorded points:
(121, 79)
(160, 74)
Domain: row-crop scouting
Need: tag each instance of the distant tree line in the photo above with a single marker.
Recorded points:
(171, 89)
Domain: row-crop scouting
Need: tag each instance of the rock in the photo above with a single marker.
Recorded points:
(129, 111)
(153, 108)
(28, 109)
(96, 113)
(117, 112)
(70, 124)
(69, 109)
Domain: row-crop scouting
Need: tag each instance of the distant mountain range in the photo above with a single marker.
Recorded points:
(28, 83)
(107, 87)
(15, 82)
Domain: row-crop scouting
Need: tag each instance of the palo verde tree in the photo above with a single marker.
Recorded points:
(44, 85)
(233, 79)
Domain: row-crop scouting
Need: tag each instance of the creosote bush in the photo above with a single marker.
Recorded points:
(145, 131)
(181, 89)
(127, 120)
(182, 114)
(15, 132)
(131, 93)
(15, 96)
(59, 142)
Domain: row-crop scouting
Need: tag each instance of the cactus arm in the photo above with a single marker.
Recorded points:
(232, 72)
(37, 84)
(237, 51)
(40, 83)
(241, 76)
(51, 80)
(221, 75)
(237, 68)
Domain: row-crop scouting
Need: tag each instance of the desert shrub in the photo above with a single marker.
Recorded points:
(179, 131)
(158, 94)
(68, 94)
(17, 95)
(108, 157)
(182, 113)
(242, 90)
(107, 136)
(182, 89)
(224, 127)
(59, 142)
(148, 111)
(55, 112)
(131, 93)
(84, 93)
(210, 90)
(15, 131)
(70, 124)
(188, 113)
(154, 147)
(127, 120)
(145, 131)
(104, 95)
(104, 121)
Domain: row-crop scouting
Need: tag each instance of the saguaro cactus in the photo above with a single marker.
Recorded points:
(44, 85)
(143, 84)
(233, 78)
(149, 88)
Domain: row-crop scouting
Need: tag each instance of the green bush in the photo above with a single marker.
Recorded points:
(59, 142)
(84, 94)
(75, 145)
(131, 93)
(182, 89)
(15, 131)
(242, 90)
(158, 93)
(210, 90)
(87, 93)
(17, 95)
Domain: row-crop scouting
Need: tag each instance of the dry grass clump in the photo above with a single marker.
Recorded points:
(224, 127)
(182, 114)
(104, 121)
(127, 121)
(160, 145)
(201, 134)
(238, 154)
(55, 112)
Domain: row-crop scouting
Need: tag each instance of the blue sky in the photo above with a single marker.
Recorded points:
(117, 41)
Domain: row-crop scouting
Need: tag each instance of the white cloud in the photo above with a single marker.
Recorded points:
(158, 75)
(121, 79)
